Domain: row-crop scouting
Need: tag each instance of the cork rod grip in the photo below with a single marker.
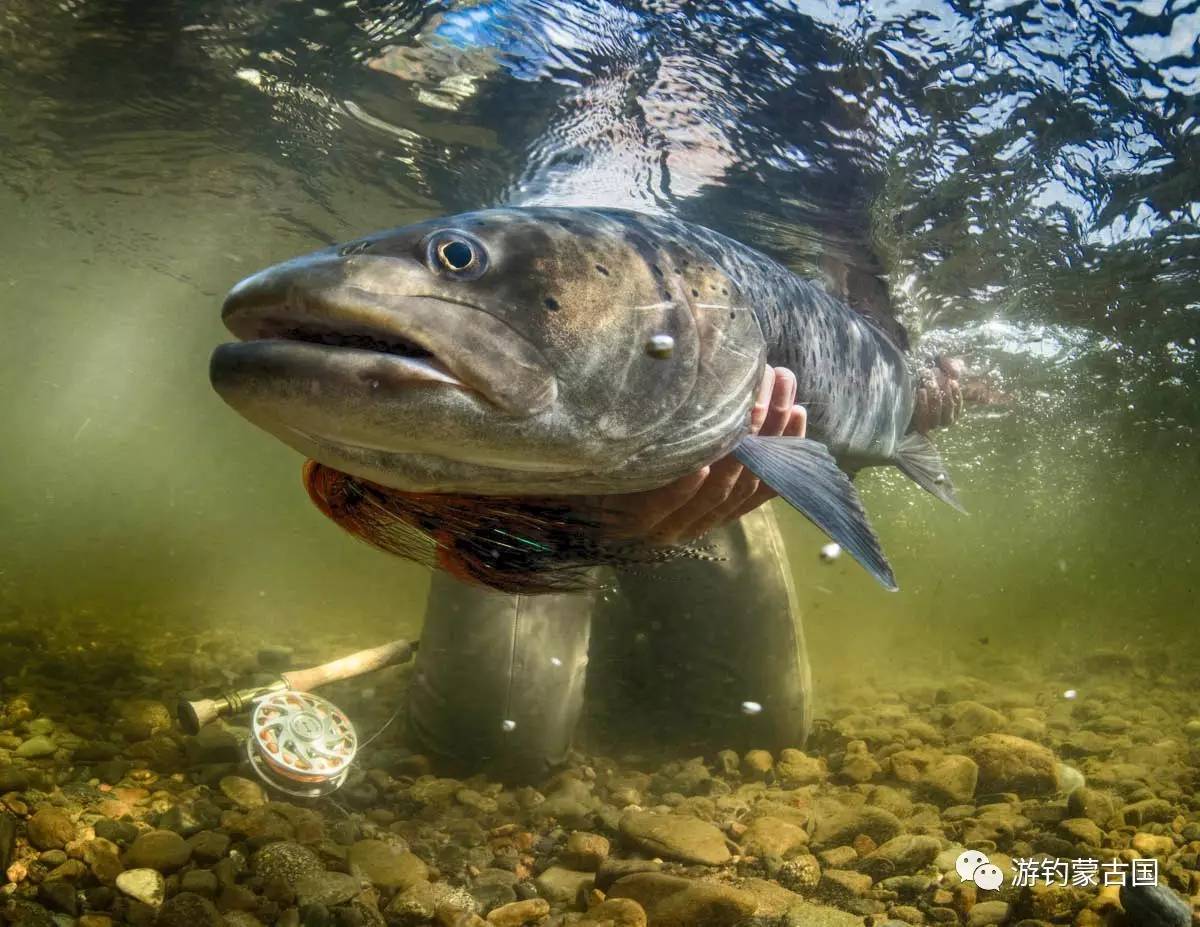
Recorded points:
(365, 661)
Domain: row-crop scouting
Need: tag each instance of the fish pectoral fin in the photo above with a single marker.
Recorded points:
(919, 460)
(804, 473)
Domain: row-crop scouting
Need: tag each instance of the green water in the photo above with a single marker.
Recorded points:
(147, 170)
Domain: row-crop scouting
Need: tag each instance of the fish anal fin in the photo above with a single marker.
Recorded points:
(919, 460)
(805, 474)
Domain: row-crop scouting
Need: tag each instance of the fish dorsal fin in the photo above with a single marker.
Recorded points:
(919, 460)
(804, 473)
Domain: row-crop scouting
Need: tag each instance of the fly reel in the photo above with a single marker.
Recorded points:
(301, 743)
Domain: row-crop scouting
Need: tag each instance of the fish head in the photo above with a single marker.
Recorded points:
(499, 351)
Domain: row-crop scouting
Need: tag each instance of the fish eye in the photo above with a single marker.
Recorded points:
(455, 254)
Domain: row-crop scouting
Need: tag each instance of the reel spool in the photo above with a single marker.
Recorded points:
(301, 744)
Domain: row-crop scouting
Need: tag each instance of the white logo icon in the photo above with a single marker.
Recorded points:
(973, 866)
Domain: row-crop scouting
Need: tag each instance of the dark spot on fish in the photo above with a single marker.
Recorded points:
(602, 269)
(354, 247)
(657, 270)
(733, 315)
(695, 292)
(724, 291)
(985, 641)
(551, 303)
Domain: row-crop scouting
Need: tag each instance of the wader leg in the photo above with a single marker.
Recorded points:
(705, 655)
(498, 680)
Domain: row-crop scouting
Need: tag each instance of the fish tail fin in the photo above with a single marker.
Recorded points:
(805, 474)
(919, 460)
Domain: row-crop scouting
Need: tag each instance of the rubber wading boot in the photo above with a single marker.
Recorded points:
(690, 655)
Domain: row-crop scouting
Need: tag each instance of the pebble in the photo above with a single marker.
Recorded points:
(288, 862)
(188, 910)
(563, 885)
(586, 851)
(1013, 764)
(519, 913)
(50, 828)
(244, 793)
(839, 826)
(795, 768)
(614, 912)
(163, 850)
(1155, 906)
(672, 901)
(200, 881)
(386, 865)
(687, 839)
(987, 913)
(327, 888)
(37, 746)
(909, 852)
(768, 836)
(146, 885)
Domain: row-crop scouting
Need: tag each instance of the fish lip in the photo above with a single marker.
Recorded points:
(516, 380)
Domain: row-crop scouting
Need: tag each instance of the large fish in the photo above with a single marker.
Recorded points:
(466, 377)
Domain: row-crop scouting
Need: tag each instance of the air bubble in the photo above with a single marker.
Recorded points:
(751, 708)
(831, 551)
(1070, 693)
(508, 725)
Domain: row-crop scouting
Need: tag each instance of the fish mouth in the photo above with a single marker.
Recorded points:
(353, 316)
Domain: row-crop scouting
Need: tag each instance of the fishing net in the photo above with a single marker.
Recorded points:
(514, 544)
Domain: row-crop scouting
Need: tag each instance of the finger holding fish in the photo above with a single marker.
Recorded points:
(746, 484)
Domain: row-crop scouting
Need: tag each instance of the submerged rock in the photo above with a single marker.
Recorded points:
(1013, 764)
(676, 836)
(671, 901)
(50, 829)
(386, 865)
(146, 885)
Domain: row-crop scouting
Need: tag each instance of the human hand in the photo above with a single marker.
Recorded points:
(724, 491)
(939, 394)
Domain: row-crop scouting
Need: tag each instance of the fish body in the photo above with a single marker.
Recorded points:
(519, 352)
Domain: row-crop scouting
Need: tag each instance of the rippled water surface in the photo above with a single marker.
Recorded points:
(1017, 182)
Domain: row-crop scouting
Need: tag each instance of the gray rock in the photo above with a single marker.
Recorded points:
(146, 885)
(1155, 906)
(201, 882)
(327, 888)
(188, 910)
(676, 836)
(562, 885)
(493, 888)
(289, 862)
(59, 895)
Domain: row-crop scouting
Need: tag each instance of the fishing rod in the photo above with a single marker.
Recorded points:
(299, 743)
